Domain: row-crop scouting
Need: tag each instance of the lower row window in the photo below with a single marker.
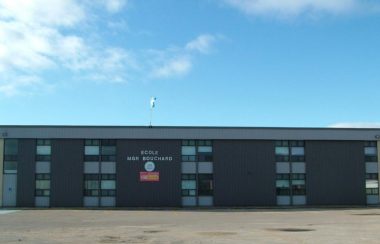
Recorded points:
(99, 185)
(201, 185)
(42, 185)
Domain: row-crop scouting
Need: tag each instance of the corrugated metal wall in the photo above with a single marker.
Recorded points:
(25, 172)
(67, 173)
(335, 173)
(133, 193)
(244, 173)
(1, 170)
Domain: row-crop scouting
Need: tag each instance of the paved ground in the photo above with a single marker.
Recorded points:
(195, 226)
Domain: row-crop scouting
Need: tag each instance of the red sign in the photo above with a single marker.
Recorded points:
(149, 176)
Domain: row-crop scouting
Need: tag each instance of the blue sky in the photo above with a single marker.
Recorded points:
(209, 62)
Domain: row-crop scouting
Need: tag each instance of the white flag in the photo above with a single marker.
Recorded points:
(153, 102)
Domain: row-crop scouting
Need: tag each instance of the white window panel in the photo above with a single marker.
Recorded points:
(108, 185)
(43, 184)
(189, 201)
(188, 150)
(282, 168)
(91, 201)
(282, 183)
(205, 167)
(370, 151)
(91, 150)
(42, 167)
(107, 201)
(282, 151)
(298, 168)
(283, 200)
(205, 201)
(108, 168)
(299, 200)
(298, 151)
(204, 149)
(371, 184)
(371, 167)
(188, 167)
(298, 182)
(43, 150)
(373, 199)
(42, 201)
(91, 167)
(189, 184)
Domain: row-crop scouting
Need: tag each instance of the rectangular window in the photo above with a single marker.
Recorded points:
(283, 184)
(42, 185)
(189, 185)
(10, 167)
(188, 143)
(91, 142)
(43, 142)
(297, 151)
(108, 150)
(10, 147)
(370, 151)
(188, 150)
(283, 151)
(43, 150)
(91, 150)
(205, 184)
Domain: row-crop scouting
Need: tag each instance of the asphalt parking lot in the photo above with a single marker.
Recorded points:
(191, 226)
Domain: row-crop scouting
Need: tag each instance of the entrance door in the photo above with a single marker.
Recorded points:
(9, 190)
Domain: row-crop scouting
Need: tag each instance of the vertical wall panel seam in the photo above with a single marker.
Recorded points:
(1, 170)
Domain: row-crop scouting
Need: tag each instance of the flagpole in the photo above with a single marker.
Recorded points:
(152, 105)
(151, 114)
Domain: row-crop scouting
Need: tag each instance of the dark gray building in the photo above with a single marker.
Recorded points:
(107, 166)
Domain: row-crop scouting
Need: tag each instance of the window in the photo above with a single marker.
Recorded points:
(91, 142)
(10, 167)
(42, 185)
(290, 169)
(282, 151)
(42, 168)
(10, 147)
(282, 184)
(197, 168)
(372, 174)
(189, 185)
(205, 184)
(99, 168)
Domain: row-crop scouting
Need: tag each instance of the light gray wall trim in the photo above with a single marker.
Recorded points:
(232, 133)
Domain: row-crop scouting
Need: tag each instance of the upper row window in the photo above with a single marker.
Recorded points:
(196, 143)
(10, 147)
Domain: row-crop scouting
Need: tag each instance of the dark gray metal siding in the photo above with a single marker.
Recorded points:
(133, 193)
(25, 172)
(67, 173)
(335, 173)
(244, 173)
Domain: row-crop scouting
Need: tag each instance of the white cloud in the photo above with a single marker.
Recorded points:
(42, 12)
(44, 36)
(288, 8)
(12, 85)
(356, 125)
(114, 6)
(177, 66)
(202, 43)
